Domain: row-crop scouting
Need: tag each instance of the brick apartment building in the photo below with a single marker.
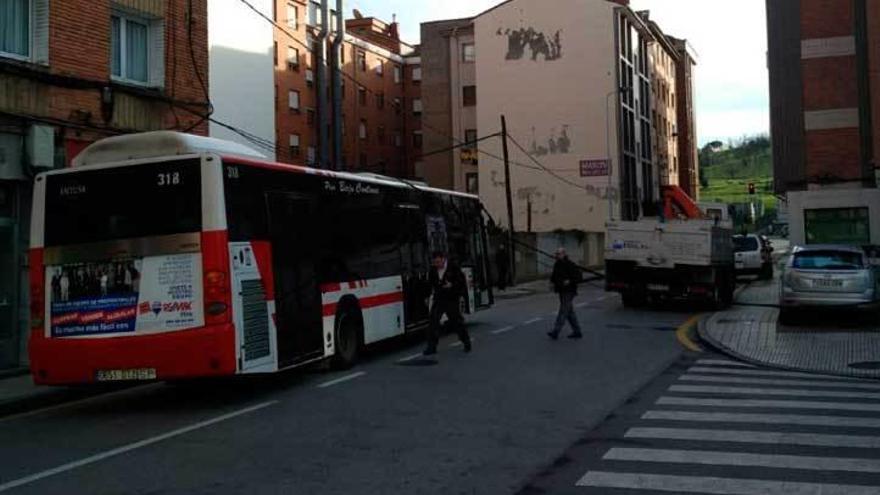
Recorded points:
(381, 108)
(72, 72)
(824, 61)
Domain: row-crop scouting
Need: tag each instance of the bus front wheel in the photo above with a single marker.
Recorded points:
(349, 328)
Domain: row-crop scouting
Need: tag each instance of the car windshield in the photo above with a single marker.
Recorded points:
(828, 260)
(742, 244)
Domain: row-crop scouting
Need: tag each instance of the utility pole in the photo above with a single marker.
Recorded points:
(510, 248)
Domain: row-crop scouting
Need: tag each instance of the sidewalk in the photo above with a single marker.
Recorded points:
(750, 331)
(523, 290)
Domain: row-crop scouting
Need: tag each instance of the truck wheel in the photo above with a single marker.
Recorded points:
(349, 336)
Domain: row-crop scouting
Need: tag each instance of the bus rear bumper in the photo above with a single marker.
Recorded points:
(202, 352)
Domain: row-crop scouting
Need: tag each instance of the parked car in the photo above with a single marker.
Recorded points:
(753, 256)
(828, 276)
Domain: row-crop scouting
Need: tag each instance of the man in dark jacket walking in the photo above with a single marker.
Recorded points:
(448, 286)
(565, 279)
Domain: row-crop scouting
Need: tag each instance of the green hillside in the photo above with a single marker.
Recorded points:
(726, 171)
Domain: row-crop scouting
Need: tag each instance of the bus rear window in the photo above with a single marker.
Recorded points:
(123, 203)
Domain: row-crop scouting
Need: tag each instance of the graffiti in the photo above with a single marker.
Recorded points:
(540, 44)
(556, 145)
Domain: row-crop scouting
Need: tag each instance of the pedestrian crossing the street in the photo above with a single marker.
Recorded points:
(729, 428)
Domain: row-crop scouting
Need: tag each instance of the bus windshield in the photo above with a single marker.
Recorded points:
(126, 202)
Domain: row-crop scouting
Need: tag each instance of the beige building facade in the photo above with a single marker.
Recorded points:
(664, 114)
(556, 75)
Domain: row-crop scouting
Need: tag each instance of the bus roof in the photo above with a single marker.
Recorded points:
(157, 144)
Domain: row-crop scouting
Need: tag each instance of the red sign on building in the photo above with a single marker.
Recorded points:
(594, 168)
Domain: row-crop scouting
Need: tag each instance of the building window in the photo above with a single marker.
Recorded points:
(380, 101)
(398, 105)
(417, 73)
(310, 155)
(417, 139)
(362, 60)
(15, 29)
(417, 106)
(275, 52)
(292, 58)
(294, 146)
(292, 16)
(362, 95)
(398, 139)
(342, 90)
(362, 129)
(470, 135)
(130, 46)
(380, 134)
(315, 14)
(468, 52)
(293, 100)
(472, 183)
(310, 117)
(397, 77)
(380, 69)
(469, 96)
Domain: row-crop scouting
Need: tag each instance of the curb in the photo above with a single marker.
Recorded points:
(710, 341)
(42, 400)
(13, 372)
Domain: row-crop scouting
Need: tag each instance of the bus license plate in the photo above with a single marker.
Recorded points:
(139, 374)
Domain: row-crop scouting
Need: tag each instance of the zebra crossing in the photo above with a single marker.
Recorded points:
(730, 428)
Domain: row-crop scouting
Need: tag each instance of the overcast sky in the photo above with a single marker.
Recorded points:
(731, 78)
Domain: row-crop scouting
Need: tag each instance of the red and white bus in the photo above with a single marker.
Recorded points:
(165, 256)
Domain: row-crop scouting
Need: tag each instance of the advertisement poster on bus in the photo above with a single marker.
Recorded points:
(148, 295)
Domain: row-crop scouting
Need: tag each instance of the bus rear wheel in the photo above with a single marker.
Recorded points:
(348, 332)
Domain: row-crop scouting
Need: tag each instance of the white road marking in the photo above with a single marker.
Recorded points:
(712, 389)
(716, 486)
(789, 374)
(128, 448)
(777, 419)
(771, 381)
(722, 362)
(533, 320)
(345, 378)
(781, 404)
(410, 357)
(502, 330)
(740, 459)
(760, 437)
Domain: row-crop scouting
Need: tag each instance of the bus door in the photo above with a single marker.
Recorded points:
(297, 296)
(414, 263)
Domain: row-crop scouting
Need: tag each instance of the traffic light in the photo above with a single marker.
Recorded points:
(751, 188)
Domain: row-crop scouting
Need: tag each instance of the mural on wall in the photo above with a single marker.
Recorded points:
(537, 43)
(556, 145)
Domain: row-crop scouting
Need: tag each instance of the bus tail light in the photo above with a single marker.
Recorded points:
(215, 263)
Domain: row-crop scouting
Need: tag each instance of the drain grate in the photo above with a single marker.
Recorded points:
(865, 365)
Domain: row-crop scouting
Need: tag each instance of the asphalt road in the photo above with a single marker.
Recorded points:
(712, 425)
(477, 423)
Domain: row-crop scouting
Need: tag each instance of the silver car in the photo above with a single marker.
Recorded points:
(823, 276)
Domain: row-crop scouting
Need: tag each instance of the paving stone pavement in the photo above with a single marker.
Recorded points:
(821, 343)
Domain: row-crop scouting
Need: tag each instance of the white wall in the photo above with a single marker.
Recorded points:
(242, 70)
(828, 199)
(542, 97)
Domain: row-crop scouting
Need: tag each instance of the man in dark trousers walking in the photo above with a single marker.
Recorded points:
(502, 262)
(448, 286)
(566, 277)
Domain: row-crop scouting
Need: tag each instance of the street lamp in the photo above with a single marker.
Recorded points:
(608, 145)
